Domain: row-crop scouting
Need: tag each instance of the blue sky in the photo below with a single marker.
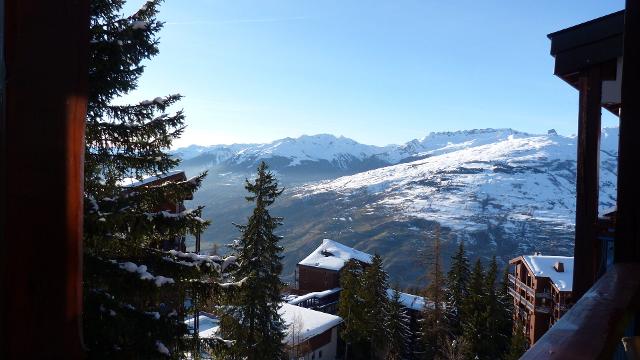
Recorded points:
(379, 72)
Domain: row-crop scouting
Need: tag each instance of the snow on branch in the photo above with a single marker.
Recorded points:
(196, 260)
(182, 214)
(234, 284)
(229, 260)
(143, 274)
(162, 349)
(139, 25)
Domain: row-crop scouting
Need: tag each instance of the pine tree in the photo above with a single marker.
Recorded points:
(397, 327)
(435, 330)
(504, 317)
(457, 288)
(252, 320)
(474, 319)
(375, 285)
(519, 343)
(494, 342)
(131, 310)
(351, 310)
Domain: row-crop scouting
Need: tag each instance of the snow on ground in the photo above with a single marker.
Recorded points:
(543, 266)
(208, 325)
(332, 255)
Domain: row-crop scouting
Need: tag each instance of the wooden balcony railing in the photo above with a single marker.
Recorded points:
(594, 326)
(521, 298)
(522, 285)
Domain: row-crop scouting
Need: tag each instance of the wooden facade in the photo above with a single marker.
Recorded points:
(313, 279)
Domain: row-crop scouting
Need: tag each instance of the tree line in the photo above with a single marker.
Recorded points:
(467, 313)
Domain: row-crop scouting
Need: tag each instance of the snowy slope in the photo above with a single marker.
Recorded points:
(531, 176)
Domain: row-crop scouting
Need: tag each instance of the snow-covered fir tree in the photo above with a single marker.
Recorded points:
(251, 317)
(134, 293)
(398, 329)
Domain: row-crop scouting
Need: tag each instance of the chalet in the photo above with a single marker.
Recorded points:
(541, 289)
(319, 289)
(311, 334)
(320, 270)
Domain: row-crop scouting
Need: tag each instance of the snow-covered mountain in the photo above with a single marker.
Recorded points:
(502, 191)
(339, 152)
(533, 176)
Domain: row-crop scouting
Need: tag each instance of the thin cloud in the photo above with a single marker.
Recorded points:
(237, 21)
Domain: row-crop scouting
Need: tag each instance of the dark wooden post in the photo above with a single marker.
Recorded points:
(42, 125)
(627, 237)
(588, 162)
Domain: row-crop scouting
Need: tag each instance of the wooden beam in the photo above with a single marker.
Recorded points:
(593, 327)
(46, 57)
(587, 181)
(627, 237)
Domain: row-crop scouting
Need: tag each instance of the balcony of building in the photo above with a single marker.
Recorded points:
(600, 58)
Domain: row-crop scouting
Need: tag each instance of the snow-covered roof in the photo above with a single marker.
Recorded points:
(413, 302)
(332, 255)
(543, 266)
(132, 182)
(310, 322)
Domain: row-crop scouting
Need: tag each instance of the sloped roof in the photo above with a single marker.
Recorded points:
(543, 266)
(311, 323)
(332, 255)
